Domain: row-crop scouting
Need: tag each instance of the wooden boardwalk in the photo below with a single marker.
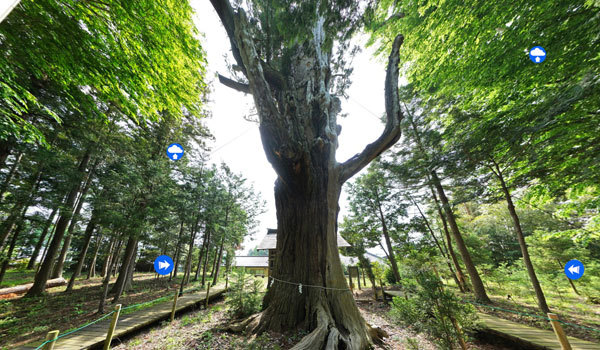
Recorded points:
(93, 336)
(539, 338)
(534, 337)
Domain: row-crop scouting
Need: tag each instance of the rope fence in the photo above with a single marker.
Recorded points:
(75, 330)
(55, 337)
(300, 285)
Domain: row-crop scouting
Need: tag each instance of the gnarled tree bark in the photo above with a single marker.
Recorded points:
(299, 132)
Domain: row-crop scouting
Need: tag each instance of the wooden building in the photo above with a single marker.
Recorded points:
(256, 265)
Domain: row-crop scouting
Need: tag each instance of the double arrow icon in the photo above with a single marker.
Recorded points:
(574, 269)
(162, 265)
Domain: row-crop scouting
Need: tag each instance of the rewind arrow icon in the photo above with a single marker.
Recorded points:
(574, 269)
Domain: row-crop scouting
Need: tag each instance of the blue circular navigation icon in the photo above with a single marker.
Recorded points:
(163, 265)
(537, 54)
(574, 269)
(175, 151)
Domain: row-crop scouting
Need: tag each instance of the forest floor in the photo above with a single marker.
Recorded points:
(204, 329)
(26, 319)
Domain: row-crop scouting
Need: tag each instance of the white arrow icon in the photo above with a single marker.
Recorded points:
(574, 269)
(162, 265)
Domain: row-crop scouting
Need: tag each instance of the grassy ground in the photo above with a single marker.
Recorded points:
(25, 319)
(16, 277)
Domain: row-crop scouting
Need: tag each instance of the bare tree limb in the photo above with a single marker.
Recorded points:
(227, 16)
(236, 85)
(263, 97)
(391, 133)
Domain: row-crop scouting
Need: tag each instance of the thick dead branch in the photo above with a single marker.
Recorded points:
(236, 85)
(227, 15)
(391, 133)
(265, 103)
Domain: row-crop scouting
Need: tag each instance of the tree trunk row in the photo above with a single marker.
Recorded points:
(478, 287)
(39, 284)
(89, 231)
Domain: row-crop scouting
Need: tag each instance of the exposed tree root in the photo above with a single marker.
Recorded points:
(247, 325)
(377, 334)
(325, 336)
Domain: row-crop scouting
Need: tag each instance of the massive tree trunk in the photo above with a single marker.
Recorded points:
(539, 293)
(478, 287)
(39, 284)
(40, 242)
(299, 131)
(89, 231)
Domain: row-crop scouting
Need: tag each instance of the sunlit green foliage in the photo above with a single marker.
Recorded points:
(140, 58)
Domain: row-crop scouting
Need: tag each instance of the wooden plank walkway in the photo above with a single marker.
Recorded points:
(541, 338)
(94, 335)
(535, 337)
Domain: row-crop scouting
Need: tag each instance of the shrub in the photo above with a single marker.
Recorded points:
(244, 297)
(389, 276)
(378, 271)
(433, 310)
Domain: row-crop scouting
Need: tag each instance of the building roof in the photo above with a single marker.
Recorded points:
(251, 261)
(372, 258)
(350, 260)
(270, 241)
